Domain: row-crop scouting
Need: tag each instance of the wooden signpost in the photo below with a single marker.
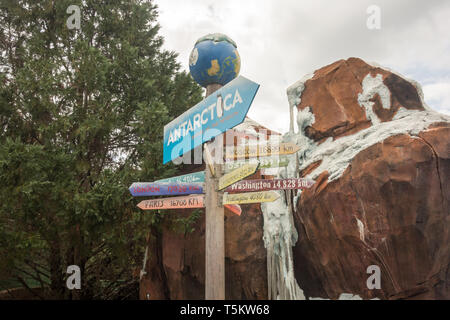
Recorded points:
(266, 185)
(223, 108)
(237, 174)
(209, 160)
(262, 150)
(197, 201)
(250, 197)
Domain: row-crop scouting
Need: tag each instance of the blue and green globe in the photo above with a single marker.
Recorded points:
(214, 59)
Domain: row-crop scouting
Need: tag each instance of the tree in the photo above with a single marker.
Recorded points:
(81, 117)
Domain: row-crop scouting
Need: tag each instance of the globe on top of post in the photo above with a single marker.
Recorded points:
(214, 60)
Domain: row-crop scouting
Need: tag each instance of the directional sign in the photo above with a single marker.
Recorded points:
(266, 162)
(187, 178)
(173, 203)
(141, 189)
(237, 174)
(250, 197)
(220, 111)
(262, 151)
(235, 208)
(265, 185)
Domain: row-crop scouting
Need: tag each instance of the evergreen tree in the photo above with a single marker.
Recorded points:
(82, 113)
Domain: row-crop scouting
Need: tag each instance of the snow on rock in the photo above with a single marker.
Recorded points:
(371, 87)
(280, 234)
(279, 237)
(294, 93)
(337, 154)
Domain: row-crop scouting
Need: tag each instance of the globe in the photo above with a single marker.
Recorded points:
(214, 60)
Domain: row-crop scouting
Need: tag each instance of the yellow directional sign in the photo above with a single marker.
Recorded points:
(262, 150)
(250, 197)
(237, 175)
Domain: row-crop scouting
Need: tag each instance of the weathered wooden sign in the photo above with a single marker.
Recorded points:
(217, 113)
(261, 151)
(237, 174)
(266, 162)
(186, 178)
(265, 185)
(235, 208)
(250, 197)
(197, 201)
(141, 189)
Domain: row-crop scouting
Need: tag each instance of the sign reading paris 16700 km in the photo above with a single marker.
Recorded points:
(220, 111)
(192, 201)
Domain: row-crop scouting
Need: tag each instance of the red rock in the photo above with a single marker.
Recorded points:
(399, 189)
(332, 95)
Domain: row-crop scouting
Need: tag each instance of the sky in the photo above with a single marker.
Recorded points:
(280, 41)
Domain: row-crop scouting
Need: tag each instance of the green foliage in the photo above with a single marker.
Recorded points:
(186, 225)
(81, 117)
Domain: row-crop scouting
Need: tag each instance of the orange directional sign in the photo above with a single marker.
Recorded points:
(262, 150)
(238, 174)
(196, 201)
(235, 208)
(273, 184)
(250, 197)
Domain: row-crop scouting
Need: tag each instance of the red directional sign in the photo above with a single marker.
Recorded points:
(266, 185)
(235, 208)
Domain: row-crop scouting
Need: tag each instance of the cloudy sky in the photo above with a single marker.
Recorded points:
(280, 41)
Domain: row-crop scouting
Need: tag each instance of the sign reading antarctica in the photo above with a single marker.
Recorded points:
(223, 110)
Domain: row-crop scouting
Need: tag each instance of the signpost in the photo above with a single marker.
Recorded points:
(237, 174)
(142, 189)
(217, 113)
(173, 203)
(209, 160)
(187, 178)
(265, 185)
(264, 163)
(250, 197)
(262, 151)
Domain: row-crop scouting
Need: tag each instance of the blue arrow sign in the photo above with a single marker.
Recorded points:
(222, 110)
(141, 189)
(187, 178)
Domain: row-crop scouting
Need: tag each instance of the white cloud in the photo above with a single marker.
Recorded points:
(438, 95)
(282, 40)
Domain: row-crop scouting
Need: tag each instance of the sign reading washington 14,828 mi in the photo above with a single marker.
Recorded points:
(220, 111)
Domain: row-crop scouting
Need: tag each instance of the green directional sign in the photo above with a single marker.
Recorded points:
(186, 178)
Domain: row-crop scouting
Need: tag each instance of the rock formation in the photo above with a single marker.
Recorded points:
(381, 161)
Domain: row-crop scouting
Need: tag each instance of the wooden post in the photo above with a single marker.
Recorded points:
(215, 228)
